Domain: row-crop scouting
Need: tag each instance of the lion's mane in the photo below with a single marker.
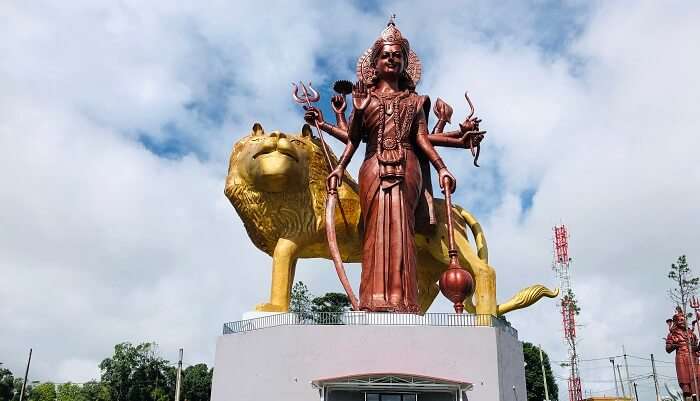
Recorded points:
(268, 216)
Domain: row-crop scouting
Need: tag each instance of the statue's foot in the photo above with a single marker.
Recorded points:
(268, 307)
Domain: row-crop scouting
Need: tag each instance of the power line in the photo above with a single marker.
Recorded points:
(607, 358)
(649, 359)
(631, 366)
(593, 359)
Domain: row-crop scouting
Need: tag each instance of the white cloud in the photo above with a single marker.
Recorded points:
(102, 241)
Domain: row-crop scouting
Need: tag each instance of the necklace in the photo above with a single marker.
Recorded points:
(402, 121)
(389, 101)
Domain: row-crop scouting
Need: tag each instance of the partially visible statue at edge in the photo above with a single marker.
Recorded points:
(684, 341)
(394, 179)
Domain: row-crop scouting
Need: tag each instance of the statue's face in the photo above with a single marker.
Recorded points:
(274, 162)
(390, 61)
(680, 321)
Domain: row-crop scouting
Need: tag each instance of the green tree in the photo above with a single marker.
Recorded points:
(533, 374)
(300, 301)
(70, 392)
(196, 382)
(329, 306)
(685, 285)
(137, 373)
(95, 391)
(43, 392)
(333, 302)
(7, 384)
(18, 389)
(570, 299)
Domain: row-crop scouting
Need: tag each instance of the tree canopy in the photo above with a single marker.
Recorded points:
(43, 392)
(533, 374)
(138, 373)
(300, 300)
(307, 307)
(685, 285)
(132, 373)
(7, 384)
(196, 382)
(333, 302)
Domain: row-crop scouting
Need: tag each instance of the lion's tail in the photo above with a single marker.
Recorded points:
(526, 297)
(482, 250)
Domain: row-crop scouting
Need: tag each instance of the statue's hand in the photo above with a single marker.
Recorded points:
(335, 179)
(444, 174)
(472, 138)
(338, 104)
(313, 115)
(442, 110)
(471, 124)
(360, 96)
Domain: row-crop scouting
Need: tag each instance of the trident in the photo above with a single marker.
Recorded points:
(695, 304)
(309, 98)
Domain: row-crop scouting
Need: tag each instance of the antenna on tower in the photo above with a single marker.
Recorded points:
(569, 309)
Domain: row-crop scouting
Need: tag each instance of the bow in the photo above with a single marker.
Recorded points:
(475, 155)
(331, 202)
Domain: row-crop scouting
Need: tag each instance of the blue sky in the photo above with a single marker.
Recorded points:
(117, 120)
(554, 25)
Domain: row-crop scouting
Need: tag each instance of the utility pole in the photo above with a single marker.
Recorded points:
(619, 373)
(617, 391)
(627, 372)
(544, 377)
(178, 383)
(26, 373)
(635, 391)
(656, 380)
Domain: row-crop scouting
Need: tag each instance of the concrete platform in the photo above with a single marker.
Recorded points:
(435, 357)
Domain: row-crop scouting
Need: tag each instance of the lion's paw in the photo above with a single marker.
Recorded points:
(268, 307)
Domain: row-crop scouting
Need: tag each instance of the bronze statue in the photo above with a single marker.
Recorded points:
(276, 183)
(395, 187)
(684, 341)
(286, 189)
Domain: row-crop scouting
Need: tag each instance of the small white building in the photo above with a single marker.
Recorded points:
(369, 357)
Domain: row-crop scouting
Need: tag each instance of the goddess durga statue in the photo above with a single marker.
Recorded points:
(395, 186)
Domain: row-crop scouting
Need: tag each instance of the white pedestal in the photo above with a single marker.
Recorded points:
(280, 363)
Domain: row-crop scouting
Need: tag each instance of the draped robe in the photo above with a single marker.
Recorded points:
(391, 189)
(686, 360)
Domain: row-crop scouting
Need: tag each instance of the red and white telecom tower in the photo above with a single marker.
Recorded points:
(561, 264)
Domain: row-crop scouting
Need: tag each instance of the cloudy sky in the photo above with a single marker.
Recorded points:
(117, 119)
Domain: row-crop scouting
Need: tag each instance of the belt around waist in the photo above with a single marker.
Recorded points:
(371, 149)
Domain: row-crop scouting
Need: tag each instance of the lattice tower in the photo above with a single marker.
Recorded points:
(561, 265)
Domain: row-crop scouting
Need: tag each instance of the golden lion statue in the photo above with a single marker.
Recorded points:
(276, 183)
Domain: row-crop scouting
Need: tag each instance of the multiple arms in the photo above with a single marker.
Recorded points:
(338, 104)
(468, 134)
(469, 130)
(424, 143)
(339, 132)
(360, 101)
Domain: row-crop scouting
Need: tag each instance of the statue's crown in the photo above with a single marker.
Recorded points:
(392, 36)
